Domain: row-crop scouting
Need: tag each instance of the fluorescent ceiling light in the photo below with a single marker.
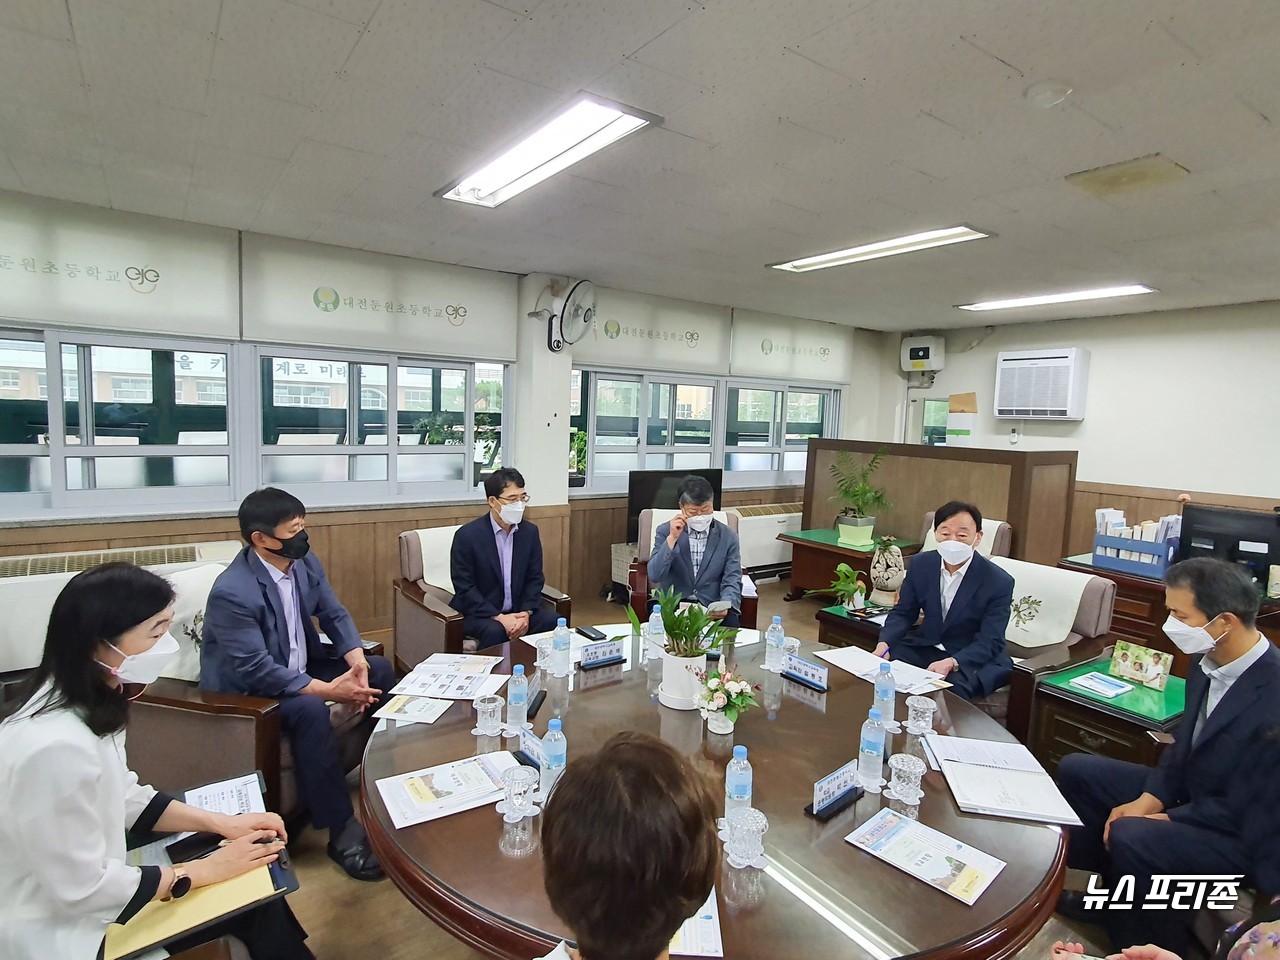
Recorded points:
(882, 248)
(1098, 293)
(587, 126)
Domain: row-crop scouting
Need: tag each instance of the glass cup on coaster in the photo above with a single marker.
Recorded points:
(746, 829)
(790, 648)
(489, 716)
(543, 661)
(518, 785)
(518, 839)
(905, 772)
(920, 715)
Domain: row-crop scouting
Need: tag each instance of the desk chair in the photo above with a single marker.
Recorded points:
(424, 623)
(638, 575)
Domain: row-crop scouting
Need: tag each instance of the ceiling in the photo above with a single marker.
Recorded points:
(791, 128)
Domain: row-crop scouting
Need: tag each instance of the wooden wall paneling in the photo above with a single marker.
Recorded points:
(1049, 501)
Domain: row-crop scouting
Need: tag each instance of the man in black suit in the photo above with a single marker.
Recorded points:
(496, 566)
(965, 599)
(1210, 805)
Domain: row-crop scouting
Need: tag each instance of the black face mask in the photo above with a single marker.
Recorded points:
(292, 548)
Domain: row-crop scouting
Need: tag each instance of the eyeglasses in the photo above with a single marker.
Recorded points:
(522, 498)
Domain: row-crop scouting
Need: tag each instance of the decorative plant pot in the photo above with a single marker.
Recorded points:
(680, 683)
(856, 602)
(717, 722)
(888, 571)
(855, 531)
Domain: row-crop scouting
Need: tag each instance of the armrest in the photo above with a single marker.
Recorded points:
(414, 593)
(186, 696)
(558, 601)
(1163, 739)
(424, 624)
(638, 585)
(553, 595)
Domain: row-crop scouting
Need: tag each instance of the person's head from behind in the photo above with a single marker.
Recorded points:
(629, 847)
(274, 521)
(957, 526)
(1208, 600)
(507, 497)
(108, 627)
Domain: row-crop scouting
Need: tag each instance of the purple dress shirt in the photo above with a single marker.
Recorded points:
(505, 541)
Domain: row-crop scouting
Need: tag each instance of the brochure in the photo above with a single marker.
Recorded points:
(411, 709)
(1101, 684)
(434, 792)
(450, 686)
(953, 867)
(457, 663)
(699, 936)
(865, 665)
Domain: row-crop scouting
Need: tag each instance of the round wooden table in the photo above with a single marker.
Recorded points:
(819, 896)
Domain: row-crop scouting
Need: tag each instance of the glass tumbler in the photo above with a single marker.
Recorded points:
(518, 785)
(489, 716)
(920, 715)
(905, 772)
(746, 827)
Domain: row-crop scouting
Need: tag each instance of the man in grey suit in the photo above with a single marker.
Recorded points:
(697, 554)
(259, 640)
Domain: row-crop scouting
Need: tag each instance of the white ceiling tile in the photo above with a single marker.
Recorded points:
(281, 50)
(172, 205)
(235, 172)
(348, 230)
(489, 111)
(47, 176)
(428, 48)
(146, 184)
(37, 16)
(645, 88)
(426, 163)
(221, 208)
(201, 15)
(41, 71)
(144, 59)
(320, 176)
(352, 11)
(365, 117)
(30, 129)
(279, 219)
(517, 6)
(9, 179)
(240, 119)
(154, 129)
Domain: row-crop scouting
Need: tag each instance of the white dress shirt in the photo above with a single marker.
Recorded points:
(1221, 678)
(948, 586)
(66, 799)
(287, 587)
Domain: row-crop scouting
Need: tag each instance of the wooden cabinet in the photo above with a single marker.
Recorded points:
(1062, 723)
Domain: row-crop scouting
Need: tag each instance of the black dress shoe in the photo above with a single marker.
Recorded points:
(357, 859)
(1071, 905)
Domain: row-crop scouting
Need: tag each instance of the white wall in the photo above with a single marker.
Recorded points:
(1187, 399)
(540, 403)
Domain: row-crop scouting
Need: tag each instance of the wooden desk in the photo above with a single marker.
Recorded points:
(838, 629)
(816, 553)
(452, 870)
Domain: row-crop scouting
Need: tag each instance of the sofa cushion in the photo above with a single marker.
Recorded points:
(1046, 601)
(192, 588)
(424, 555)
(25, 603)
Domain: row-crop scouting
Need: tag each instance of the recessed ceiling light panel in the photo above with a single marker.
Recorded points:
(588, 125)
(882, 248)
(1097, 293)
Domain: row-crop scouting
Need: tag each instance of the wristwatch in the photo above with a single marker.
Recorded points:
(180, 887)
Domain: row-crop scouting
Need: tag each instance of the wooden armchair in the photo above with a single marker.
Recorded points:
(638, 574)
(424, 623)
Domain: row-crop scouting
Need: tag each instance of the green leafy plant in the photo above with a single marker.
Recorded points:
(854, 489)
(436, 429)
(691, 632)
(578, 451)
(845, 586)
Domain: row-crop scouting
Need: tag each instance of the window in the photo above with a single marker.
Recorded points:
(372, 399)
(131, 388)
(211, 392)
(9, 380)
(301, 395)
(933, 430)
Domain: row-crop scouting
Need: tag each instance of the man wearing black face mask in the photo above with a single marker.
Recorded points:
(1209, 807)
(259, 640)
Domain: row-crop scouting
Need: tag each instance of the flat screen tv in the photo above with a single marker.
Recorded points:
(1250, 538)
(660, 490)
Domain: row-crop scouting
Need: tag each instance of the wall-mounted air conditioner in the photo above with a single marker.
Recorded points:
(1042, 384)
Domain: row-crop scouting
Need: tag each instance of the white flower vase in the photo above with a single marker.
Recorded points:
(680, 684)
(718, 723)
(856, 602)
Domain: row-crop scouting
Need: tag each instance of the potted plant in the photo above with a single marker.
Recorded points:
(862, 500)
(690, 633)
(577, 458)
(723, 698)
(847, 588)
(888, 570)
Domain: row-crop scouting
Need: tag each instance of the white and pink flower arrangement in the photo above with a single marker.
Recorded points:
(725, 693)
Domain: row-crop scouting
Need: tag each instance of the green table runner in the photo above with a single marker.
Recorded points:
(1159, 706)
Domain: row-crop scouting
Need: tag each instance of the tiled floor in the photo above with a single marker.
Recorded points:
(350, 919)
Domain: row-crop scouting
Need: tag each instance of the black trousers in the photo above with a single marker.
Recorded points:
(317, 761)
(1140, 848)
(489, 632)
(270, 931)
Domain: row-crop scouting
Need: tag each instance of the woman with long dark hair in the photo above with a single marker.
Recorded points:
(67, 796)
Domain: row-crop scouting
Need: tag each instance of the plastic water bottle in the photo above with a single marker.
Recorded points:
(656, 634)
(737, 781)
(555, 752)
(517, 699)
(561, 662)
(773, 638)
(886, 695)
(871, 753)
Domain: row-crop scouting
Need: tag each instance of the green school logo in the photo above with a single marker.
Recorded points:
(612, 329)
(326, 299)
(766, 346)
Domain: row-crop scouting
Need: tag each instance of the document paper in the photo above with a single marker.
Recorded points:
(1018, 794)
(458, 663)
(953, 867)
(435, 792)
(450, 686)
(699, 936)
(410, 709)
(984, 753)
(865, 665)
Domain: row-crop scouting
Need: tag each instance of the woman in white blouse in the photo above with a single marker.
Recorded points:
(67, 796)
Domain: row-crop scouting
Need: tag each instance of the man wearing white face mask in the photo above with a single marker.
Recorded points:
(496, 567)
(965, 599)
(697, 555)
(1210, 806)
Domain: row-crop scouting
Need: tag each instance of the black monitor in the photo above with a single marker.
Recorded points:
(660, 490)
(1250, 538)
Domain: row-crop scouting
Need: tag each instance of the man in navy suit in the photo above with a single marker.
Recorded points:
(259, 640)
(965, 599)
(698, 555)
(496, 567)
(1210, 805)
